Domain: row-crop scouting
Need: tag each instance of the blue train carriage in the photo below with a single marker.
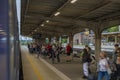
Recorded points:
(9, 41)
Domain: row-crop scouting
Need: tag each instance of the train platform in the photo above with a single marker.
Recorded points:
(35, 69)
(42, 68)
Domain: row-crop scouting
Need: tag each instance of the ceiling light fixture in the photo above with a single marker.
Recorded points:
(35, 30)
(42, 24)
(73, 1)
(57, 13)
(47, 21)
(1, 30)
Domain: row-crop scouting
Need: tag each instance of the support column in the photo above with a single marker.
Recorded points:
(97, 43)
(60, 39)
(43, 40)
(57, 39)
(49, 38)
(71, 39)
(115, 39)
(107, 39)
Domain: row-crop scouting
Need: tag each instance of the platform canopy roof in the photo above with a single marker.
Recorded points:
(57, 17)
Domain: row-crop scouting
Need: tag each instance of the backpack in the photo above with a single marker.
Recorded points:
(89, 60)
(71, 50)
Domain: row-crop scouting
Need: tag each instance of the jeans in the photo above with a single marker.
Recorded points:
(58, 57)
(85, 69)
(38, 54)
(101, 74)
(53, 56)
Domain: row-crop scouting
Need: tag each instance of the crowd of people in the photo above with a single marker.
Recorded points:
(105, 68)
(109, 69)
(47, 50)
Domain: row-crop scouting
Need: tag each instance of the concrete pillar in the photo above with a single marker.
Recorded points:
(115, 39)
(57, 39)
(107, 38)
(43, 40)
(60, 40)
(97, 43)
(68, 41)
(119, 28)
(71, 39)
(49, 39)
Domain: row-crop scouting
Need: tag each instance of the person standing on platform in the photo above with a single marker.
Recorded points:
(115, 53)
(103, 67)
(118, 64)
(53, 53)
(58, 53)
(49, 50)
(68, 52)
(28, 46)
(31, 48)
(38, 49)
(43, 50)
(86, 60)
(90, 54)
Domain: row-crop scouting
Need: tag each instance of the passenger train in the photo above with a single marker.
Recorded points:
(9, 41)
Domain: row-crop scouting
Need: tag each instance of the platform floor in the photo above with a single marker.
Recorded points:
(42, 68)
(35, 69)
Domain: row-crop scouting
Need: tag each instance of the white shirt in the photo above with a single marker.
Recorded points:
(43, 48)
(103, 65)
(54, 48)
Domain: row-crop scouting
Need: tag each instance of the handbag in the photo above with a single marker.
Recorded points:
(109, 67)
(109, 71)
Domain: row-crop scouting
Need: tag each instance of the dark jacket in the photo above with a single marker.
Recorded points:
(86, 57)
(38, 48)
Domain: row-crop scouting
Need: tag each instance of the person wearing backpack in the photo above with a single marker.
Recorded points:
(118, 64)
(38, 49)
(91, 60)
(58, 53)
(115, 69)
(115, 53)
(68, 52)
(86, 60)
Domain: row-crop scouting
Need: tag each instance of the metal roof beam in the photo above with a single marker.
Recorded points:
(61, 7)
(40, 17)
(110, 23)
(98, 6)
(116, 1)
(26, 9)
(59, 30)
(109, 16)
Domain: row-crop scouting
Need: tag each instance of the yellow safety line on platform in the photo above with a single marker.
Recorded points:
(37, 72)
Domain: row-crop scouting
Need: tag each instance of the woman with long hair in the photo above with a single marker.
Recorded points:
(103, 67)
(86, 60)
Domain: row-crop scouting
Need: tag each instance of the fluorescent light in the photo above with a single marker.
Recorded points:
(35, 30)
(57, 13)
(47, 21)
(1, 30)
(42, 24)
(3, 33)
(73, 1)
